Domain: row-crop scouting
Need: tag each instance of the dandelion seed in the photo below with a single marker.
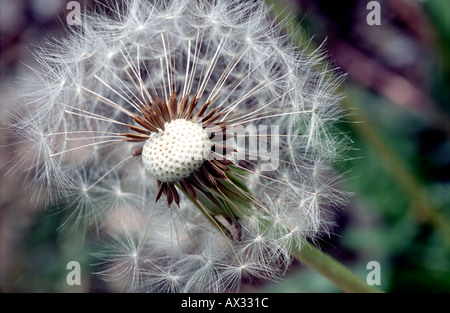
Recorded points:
(175, 80)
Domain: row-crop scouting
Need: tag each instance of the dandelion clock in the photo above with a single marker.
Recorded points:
(197, 128)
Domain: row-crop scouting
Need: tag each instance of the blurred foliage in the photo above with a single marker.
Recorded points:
(383, 222)
(42, 266)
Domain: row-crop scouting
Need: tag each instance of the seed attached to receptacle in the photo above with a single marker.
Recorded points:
(177, 151)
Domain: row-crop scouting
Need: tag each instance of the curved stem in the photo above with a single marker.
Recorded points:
(332, 269)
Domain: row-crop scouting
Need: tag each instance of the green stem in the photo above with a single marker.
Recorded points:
(327, 266)
(332, 269)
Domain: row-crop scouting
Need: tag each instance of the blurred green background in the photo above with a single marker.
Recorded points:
(397, 91)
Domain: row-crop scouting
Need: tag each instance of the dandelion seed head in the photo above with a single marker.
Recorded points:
(153, 111)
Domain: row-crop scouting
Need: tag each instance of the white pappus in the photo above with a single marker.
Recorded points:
(197, 126)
